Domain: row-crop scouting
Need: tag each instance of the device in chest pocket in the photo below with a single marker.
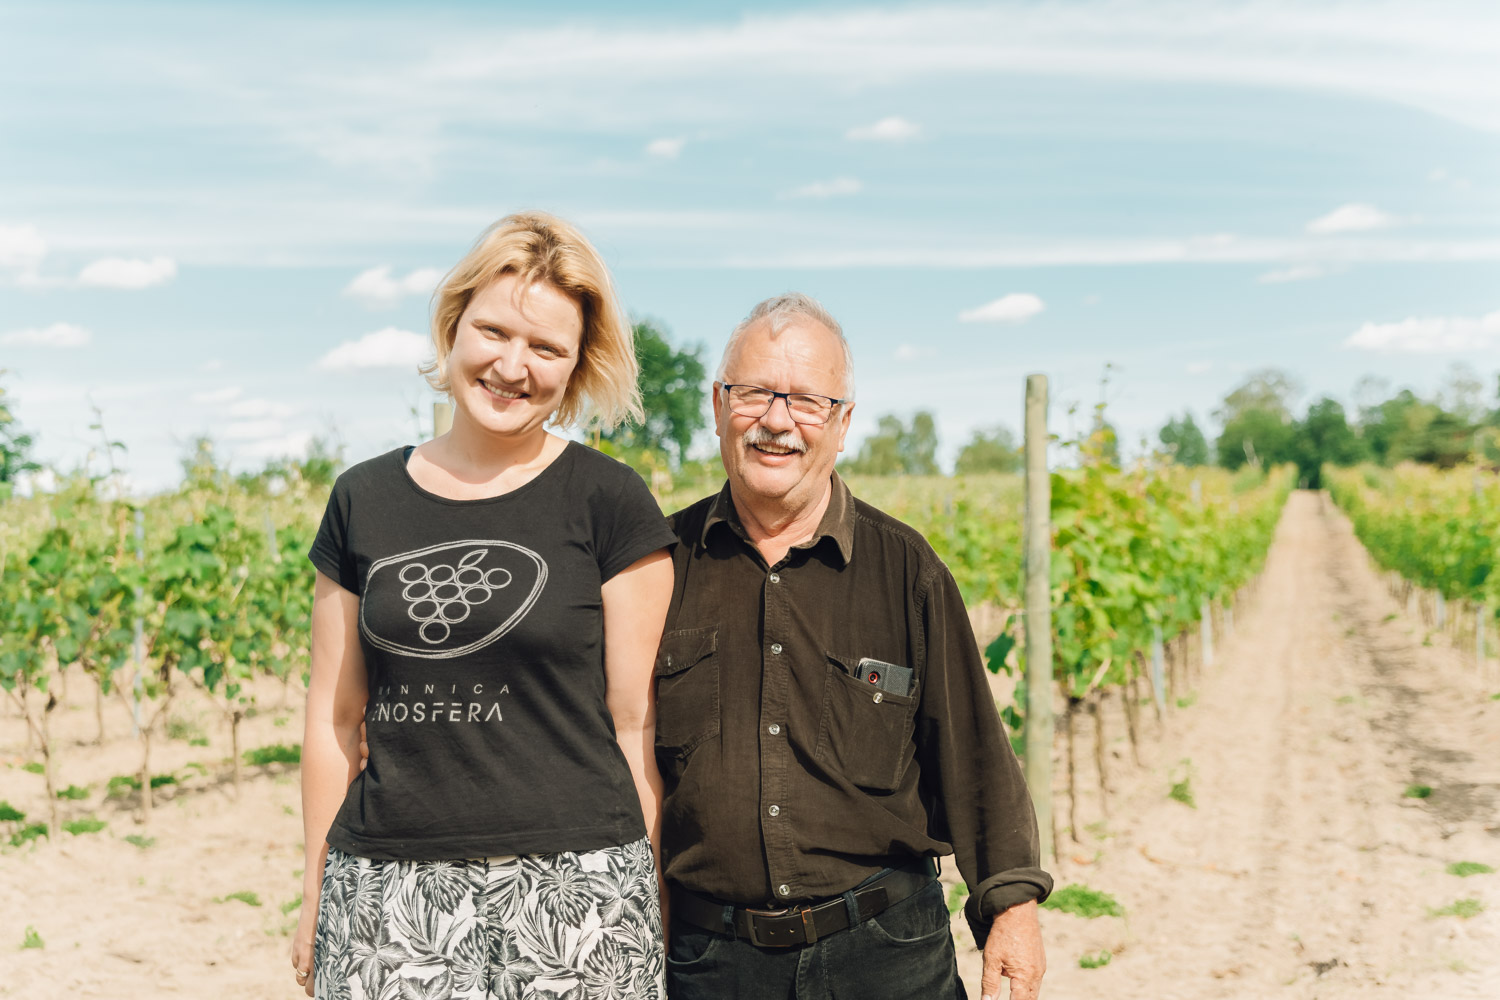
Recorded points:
(890, 677)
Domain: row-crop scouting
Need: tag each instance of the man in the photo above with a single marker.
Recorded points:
(824, 725)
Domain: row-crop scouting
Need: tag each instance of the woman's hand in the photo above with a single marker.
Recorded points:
(302, 944)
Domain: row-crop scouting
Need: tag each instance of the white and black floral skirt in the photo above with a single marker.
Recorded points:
(535, 927)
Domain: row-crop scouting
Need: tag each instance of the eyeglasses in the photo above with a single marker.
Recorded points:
(804, 407)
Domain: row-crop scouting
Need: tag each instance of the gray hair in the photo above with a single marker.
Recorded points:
(779, 311)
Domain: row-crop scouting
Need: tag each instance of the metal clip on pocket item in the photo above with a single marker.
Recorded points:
(890, 677)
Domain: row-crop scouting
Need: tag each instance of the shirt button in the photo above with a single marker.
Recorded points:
(784, 890)
(775, 577)
(879, 697)
(774, 810)
(776, 648)
(774, 729)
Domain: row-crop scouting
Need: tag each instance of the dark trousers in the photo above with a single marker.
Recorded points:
(902, 953)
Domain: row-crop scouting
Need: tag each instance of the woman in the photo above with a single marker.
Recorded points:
(489, 604)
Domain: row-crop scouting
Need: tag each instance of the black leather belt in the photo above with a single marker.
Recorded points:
(791, 926)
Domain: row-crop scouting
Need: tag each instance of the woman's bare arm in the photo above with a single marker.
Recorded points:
(336, 697)
(635, 611)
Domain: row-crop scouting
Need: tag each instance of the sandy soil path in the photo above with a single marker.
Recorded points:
(1302, 871)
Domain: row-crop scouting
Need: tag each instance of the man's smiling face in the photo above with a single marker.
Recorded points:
(772, 457)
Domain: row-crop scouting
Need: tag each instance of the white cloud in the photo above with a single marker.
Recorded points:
(253, 409)
(250, 430)
(386, 348)
(127, 274)
(224, 395)
(886, 130)
(58, 335)
(1429, 335)
(1199, 367)
(290, 444)
(1017, 307)
(21, 246)
(1356, 217)
(911, 352)
(1300, 272)
(379, 287)
(212, 365)
(835, 188)
(665, 149)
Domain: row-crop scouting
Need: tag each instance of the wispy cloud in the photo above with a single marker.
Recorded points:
(128, 274)
(386, 348)
(21, 246)
(665, 149)
(886, 130)
(911, 352)
(258, 409)
(836, 188)
(1017, 307)
(1199, 367)
(223, 395)
(1355, 217)
(59, 335)
(379, 287)
(1429, 335)
(1301, 272)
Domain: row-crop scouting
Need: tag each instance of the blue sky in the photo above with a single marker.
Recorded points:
(226, 219)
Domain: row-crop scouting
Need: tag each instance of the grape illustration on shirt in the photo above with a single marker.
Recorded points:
(448, 600)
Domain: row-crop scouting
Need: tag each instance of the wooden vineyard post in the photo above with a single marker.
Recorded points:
(1206, 629)
(1158, 672)
(1039, 611)
(442, 418)
(1480, 653)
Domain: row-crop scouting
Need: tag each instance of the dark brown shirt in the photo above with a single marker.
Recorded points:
(790, 780)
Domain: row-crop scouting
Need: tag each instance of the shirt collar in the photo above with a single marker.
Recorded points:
(837, 522)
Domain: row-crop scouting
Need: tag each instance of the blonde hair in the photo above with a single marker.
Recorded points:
(536, 246)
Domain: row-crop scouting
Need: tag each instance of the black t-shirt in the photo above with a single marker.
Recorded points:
(481, 623)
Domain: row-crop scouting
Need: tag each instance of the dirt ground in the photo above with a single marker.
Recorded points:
(1302, 870)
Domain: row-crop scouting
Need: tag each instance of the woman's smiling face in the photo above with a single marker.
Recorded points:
(513, 352)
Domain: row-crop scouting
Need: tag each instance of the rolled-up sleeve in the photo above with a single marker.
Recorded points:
(977, 794)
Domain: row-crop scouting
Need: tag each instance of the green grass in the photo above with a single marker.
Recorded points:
(1095, 961)
(244, 896)
(1346, 699)
(280, 721)
(1495, 696)
(1464, 908)
(32, 939)
(34, 767)
(276, 753)
(139, 840)
(956, 896)
(26, 833)
(1080, 900)
(86, 825)
(124, 784)
(1417, 791)
(295, 902)
(73, 793)
(1188, 700)
(198, 741)
(9, 813)
(1463, 869)
(187, 730)
(1182, 784)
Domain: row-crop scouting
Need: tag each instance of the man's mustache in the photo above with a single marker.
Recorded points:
(778, 439)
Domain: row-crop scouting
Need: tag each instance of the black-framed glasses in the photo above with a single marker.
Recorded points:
(804, 407)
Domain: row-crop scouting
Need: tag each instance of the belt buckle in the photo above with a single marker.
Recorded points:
(809, 932)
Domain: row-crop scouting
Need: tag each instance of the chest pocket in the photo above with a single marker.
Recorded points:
(687, 690)
(866, 732)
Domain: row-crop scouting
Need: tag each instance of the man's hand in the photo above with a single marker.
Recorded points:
(364, 748)
(1014, 951)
